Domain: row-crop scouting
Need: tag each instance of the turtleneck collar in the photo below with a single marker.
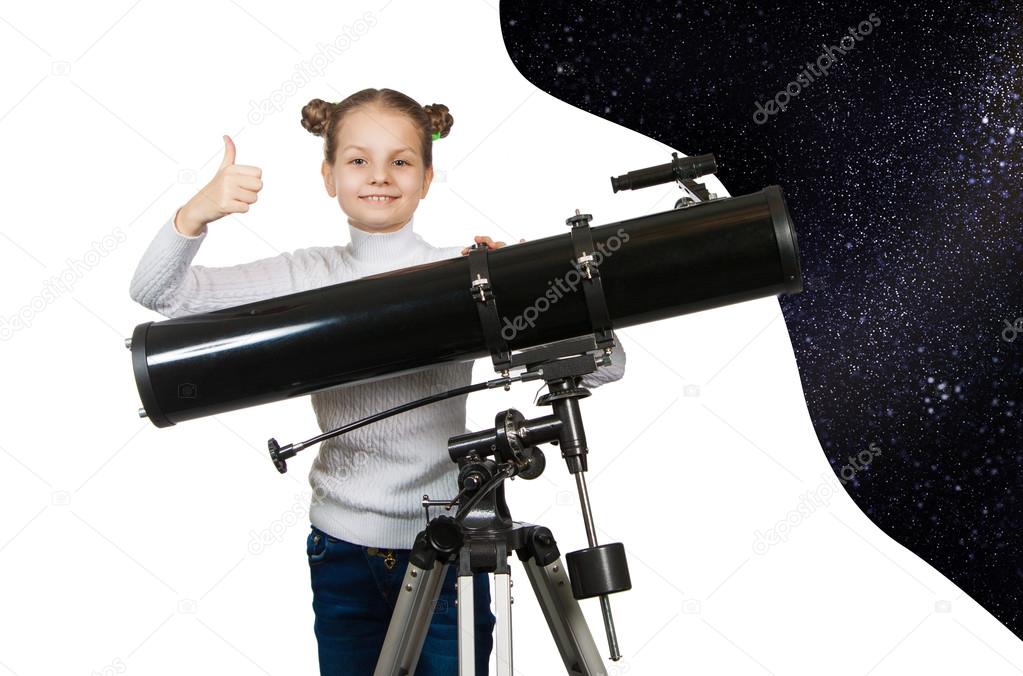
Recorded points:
(381, 247)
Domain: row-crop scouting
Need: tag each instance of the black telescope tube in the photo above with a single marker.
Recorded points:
(652, 267)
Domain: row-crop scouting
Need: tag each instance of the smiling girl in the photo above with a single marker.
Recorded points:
(367, 484)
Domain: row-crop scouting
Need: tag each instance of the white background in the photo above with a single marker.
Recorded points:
(127, 549)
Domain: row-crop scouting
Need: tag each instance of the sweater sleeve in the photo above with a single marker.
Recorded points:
(167, 282)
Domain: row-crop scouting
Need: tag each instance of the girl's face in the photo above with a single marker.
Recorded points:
(377, 155)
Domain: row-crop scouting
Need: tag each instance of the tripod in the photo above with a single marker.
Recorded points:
(482, 535)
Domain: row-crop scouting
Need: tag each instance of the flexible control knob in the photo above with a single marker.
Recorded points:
(275, 455)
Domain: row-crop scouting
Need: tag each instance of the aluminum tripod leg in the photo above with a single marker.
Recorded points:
(411, 620)
(466, 615)
(467, 625)
(564, 617)
(503, 627)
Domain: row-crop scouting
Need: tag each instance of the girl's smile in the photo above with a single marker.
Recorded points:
(379, 198)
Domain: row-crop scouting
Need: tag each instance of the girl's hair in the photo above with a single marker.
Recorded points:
(323, 118)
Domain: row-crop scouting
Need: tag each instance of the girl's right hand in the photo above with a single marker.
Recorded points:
(231, 191)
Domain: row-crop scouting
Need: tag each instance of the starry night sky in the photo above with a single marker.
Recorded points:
(902, 169)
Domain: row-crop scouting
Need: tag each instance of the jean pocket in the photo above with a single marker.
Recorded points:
(316, 546)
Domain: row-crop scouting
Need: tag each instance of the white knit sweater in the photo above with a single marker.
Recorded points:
(367, 484)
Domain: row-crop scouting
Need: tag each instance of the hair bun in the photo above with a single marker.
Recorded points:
(440, 119)
(317, 116)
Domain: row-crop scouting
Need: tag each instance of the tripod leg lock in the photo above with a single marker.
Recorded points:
(441, 540)
(539, 545)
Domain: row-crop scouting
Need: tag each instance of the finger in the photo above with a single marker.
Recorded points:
(521, 241)
(236, 206)
(229, 151)
(482, 238)
(242, 195)
(246, 170)
(496, 245)
(248, 182)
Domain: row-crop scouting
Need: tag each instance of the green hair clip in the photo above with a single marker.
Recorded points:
(436, 135)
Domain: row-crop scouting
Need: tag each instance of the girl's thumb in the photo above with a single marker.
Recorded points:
(228, 152)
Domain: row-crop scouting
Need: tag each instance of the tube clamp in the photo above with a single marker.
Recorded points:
(483, 294)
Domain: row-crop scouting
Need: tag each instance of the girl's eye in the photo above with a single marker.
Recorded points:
(404, 163)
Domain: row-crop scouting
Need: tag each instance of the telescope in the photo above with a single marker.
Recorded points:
(652, 267)
(547, 306)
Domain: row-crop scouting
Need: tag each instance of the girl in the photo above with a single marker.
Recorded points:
(367, 484)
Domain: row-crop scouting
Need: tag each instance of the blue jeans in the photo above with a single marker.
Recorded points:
(354, 594)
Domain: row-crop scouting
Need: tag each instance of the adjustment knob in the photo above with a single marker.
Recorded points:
(578, 219)
(445, 534)
(535, 464)
(275, 455)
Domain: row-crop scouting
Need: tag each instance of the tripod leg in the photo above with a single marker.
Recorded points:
(467, 617)
(466, 622)
(565, 619)
(503, 629)
(411, 619)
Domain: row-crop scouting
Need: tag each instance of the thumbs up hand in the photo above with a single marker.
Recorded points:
(232, 190)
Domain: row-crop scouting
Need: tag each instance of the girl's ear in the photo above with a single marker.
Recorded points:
(427, 180)
(328, 178)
